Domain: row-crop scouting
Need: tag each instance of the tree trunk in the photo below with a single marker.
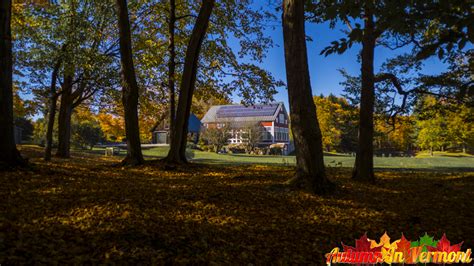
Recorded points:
(9, 155)
(364, 163)
(53, 98)
(177, 153)
(69, 100)
(129, 88)
(64, 118)
(310, 172)
(172, 67)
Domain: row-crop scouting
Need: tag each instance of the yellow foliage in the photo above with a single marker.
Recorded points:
(85, 211)
(332, 113)
(19, 108)
(112, 126)
(398, 136)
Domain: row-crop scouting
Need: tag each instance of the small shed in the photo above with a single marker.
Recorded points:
(160, 132)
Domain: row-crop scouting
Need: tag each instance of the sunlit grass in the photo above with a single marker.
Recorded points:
(421, 161)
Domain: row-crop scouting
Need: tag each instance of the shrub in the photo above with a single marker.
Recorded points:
(237, 148)
(276, 151)
(192, 146)
(86, 134)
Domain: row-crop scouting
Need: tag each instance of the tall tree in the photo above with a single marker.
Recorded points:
(429, 26)
(89, 64)
(70, 43)
(67, 97)
(364, 163)
(304, 123)
(53, 99)
(172, 65)
(8, 152)
(129, 88)
(385, 24)
(177, 153)
(65, 113)
(220, 72)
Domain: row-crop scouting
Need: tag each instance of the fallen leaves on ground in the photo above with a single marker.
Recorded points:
(84, 211)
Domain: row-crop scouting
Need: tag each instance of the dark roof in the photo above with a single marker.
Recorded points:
(246, 111)
(241, 113)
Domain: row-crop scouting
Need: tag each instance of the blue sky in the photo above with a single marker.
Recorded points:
(325, 77)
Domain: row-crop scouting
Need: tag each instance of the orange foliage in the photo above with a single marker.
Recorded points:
(399, 136)
(113, 126)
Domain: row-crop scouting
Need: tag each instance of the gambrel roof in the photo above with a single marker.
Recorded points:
(241, 113)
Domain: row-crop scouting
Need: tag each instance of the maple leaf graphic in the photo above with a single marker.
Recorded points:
(361, 245)
(424, 242)
(404, 246)
(384, 242)
(444, 245)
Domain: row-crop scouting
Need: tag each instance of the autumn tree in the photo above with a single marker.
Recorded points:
(86, 133)
(441, 124)
(9, 155)
(86, 130)
(53, 99)
(67, 43)
(129, 88)
(363, 168)
(338, 122)
(304, 124)
(204, 99)
(177, 153)
(112, 126)
(461, 127)
(220, 71)
(385, 23)
(432, 134)
(399, 136)
(172, 65)
(364, 164)
(443, 102)
(22, 107)
(87, 71)
(38, 27)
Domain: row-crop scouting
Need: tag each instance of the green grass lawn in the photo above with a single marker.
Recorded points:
(423, 161)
